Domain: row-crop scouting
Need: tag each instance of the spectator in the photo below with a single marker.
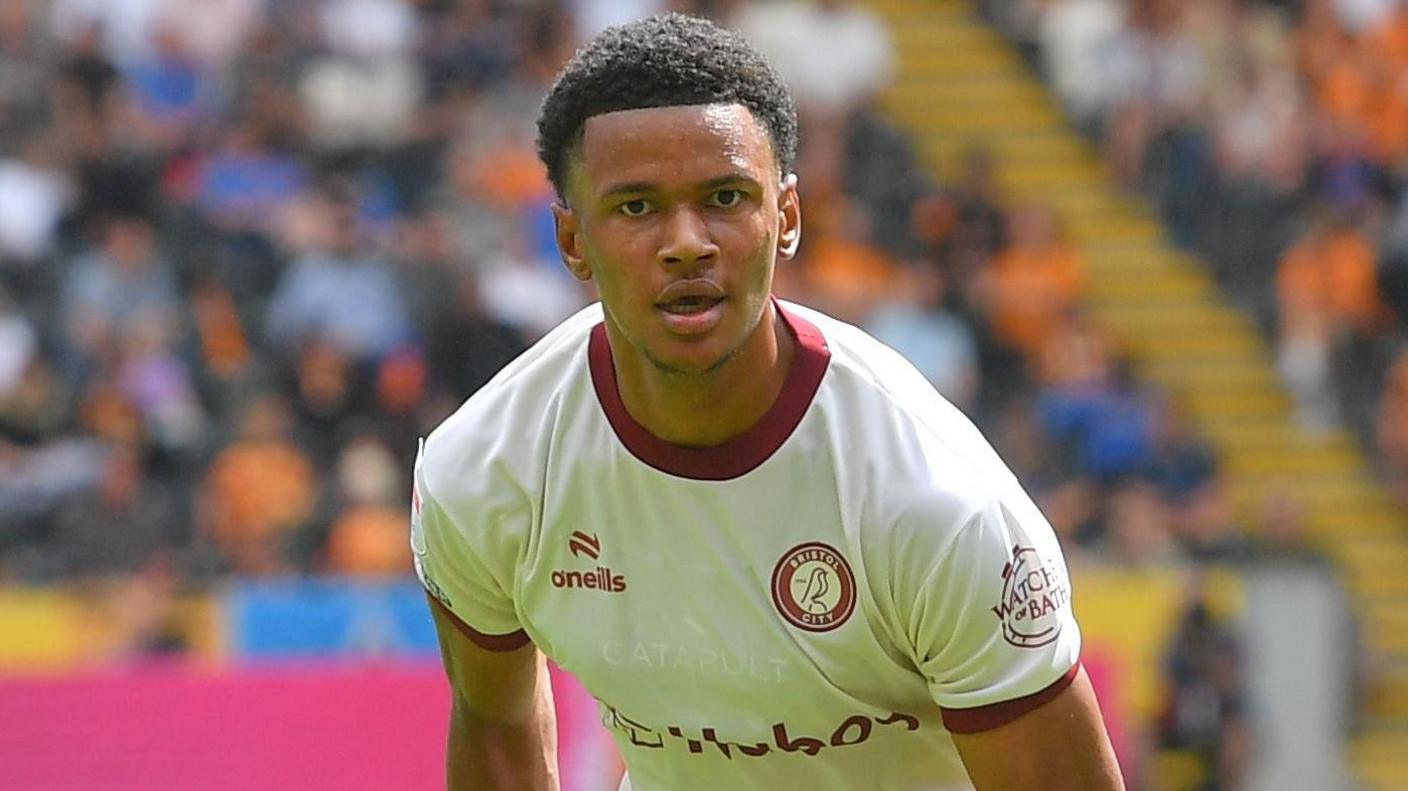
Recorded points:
(368, 535)
(340, 293)
(844, 274)
(1073, 508)
(160, 386)
(1328, 301)
(258, 490)
(1204, 712)
(1138, 530)
(365, 90)
(1107, 419)
(23, 68)
(469, 346)
(829, 84)
(1033, 282)
(170, 92)
(114, 290)
(1208, 527)
(326, 390)
(1180, 463)
(980, 221)
(244, 185)
(1159, 71)
(34, 481)
(1391, 426)
(126, 522)
(39, 405)
(1257, 123)
(34, 193)
(19, 347)
(1076, 37)
(920, 325)
(856, 63)
(125, 26)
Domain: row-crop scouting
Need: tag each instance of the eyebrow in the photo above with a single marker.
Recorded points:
(630, 187)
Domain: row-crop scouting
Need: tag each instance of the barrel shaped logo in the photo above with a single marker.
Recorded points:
(813, 587)
(1035, 595)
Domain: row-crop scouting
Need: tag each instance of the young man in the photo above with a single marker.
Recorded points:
(769, 549)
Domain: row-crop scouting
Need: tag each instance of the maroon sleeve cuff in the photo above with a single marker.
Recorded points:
(986, 718)
(489, 642)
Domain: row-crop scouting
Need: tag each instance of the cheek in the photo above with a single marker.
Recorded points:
(749, 238)
(617, 262)
(763, 254)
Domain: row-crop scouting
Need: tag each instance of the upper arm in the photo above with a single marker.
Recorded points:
(465, 551)
(1059, 746)
(493, 678)
(989, 617)
(465, 547)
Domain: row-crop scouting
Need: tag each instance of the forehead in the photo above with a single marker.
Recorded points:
(674, 145)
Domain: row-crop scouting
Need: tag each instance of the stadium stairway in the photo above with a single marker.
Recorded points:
(961, 82)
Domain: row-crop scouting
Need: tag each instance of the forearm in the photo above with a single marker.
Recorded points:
(1061, 746)
(503, 732)
(489, 754)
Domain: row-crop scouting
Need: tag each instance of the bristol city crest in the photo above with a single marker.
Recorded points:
(813, 587)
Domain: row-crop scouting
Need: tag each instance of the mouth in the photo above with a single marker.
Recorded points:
(689, 305)
(693, 313)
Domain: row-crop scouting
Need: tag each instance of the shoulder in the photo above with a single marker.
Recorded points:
(497, 431)
(908, 445)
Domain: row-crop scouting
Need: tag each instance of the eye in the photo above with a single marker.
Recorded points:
(635, 208)
(728, 198)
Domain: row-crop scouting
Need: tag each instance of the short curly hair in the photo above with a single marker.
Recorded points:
(669, 60)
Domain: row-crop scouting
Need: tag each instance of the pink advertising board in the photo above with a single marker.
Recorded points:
(289, 726)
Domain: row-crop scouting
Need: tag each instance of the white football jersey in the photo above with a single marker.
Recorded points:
(816, 604)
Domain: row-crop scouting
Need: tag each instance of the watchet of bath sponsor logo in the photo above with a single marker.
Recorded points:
(601, 578)
(813, 587)
(781, 738)
(1034, 595)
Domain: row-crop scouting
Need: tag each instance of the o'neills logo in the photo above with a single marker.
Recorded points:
(813, 587)
(599, 578)
(1033, 596)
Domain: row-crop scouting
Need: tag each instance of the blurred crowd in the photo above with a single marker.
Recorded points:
(1273, 135)
(248, 255)
(251, 250)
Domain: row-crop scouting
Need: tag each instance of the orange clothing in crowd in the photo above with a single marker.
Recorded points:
(1031, 290)
(1345, 90)
(1388, 43)
(370, 540)
(1362, 82)
(1330, 282)
(1388, 46)
(849, 277)
(256, 490)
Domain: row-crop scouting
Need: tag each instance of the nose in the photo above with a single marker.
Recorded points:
(686, 241)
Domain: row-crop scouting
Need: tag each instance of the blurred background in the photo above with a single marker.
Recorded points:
(251, 250)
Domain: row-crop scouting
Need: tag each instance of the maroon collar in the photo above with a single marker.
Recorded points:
(739, 455)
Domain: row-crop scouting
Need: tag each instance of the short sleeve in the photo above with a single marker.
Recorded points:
(462, 561)
(992, 625)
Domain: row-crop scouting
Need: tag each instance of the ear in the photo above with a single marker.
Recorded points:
(789, 209)
(569, 241)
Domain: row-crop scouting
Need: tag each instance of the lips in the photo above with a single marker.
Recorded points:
(691, 307)
(688, 297)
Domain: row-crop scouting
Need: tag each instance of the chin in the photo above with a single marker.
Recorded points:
(701, 362)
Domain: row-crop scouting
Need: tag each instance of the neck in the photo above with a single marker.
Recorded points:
(711, 407)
